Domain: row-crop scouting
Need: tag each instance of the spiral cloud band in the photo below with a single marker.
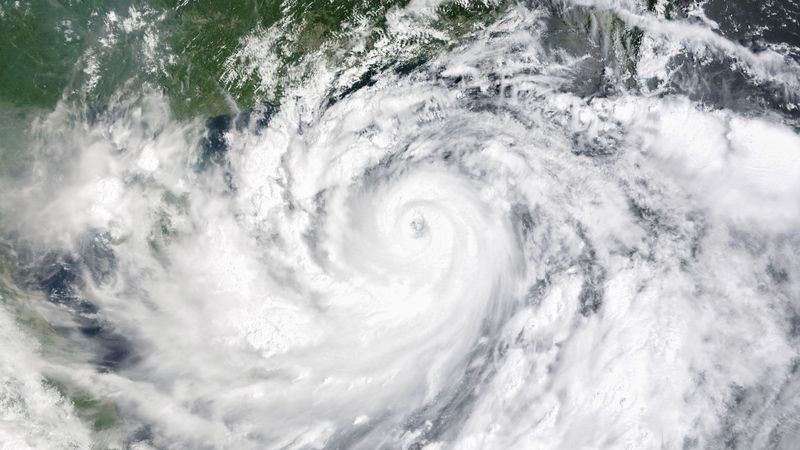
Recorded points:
(471, 254)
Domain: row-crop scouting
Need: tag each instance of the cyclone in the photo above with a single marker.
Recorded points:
(514, 225)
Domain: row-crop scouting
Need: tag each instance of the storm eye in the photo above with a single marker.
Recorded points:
(418, 226)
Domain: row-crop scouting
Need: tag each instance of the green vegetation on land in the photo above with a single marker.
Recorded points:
(54, 49)
(100, 415)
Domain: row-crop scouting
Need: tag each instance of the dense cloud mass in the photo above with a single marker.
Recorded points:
(504, 246)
